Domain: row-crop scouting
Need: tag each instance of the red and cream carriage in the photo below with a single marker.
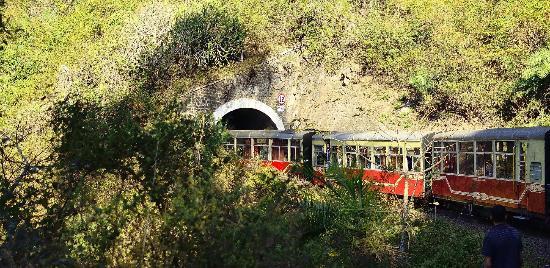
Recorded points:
(494, 166)
(393, 161)
(274, 147)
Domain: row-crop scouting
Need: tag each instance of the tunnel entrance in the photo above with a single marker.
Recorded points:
(248, 114)
(247, 119)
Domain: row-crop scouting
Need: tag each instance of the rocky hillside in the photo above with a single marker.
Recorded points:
(397, 63)
(101, 164)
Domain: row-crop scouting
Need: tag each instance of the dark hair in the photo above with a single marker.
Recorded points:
(499, 213)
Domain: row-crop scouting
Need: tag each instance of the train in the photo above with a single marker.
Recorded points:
(480, 168)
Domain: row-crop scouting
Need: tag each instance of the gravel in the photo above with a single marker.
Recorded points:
(536, 243)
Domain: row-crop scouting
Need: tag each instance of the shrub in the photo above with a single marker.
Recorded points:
(350, 225)
(531, 95)
(440, 243)
(210, 37)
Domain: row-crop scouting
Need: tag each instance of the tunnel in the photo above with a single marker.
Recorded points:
(248, 114)
(247, 119)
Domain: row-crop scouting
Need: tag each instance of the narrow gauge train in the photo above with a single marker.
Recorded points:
(478, 168)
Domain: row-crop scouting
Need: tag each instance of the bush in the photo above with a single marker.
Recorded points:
(350, 225)
(531, 95)
(440, 243)
(325, 30)
(210, 37)
(453, 57)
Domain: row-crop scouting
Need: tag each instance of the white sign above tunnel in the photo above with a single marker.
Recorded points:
(281, 99)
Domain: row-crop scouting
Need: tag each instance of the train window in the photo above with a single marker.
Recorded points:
(505, 159)
(364, 157)
(484, 146)
(335, 155)
(279, 150)
(449, 162)
(351, 156)
(505, 166)
(243, 147)
(379, 157)
(466, 146)
(536, 172)
(505, 146)
(261, 148)
(466, 161)
(261, 141)
(438, 146)
(466, 158)
(413, 159)
(484, 158)
(522, 151)
(319, 155)
(449, 146)
(229, 144)
(436, 159)
(396, 158)
(484, 165)
(448, 157)
(295, 152)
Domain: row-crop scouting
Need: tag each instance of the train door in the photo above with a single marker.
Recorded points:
(536, 194)
(336, 154)
(521, 174)
(307, 148)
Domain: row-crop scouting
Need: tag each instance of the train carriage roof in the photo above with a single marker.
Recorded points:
(268, 134)
(496, 134)
(379, 136)
(323, 135)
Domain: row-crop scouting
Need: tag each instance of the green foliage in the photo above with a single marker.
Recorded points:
(45, 36)
(210, 38)
(530, 98)
(351, 225)
(100, 167)
(325, 30)
(423, 85)
(452, 56)
(106, 136)
(462, 59)
(200, 40)
(149, 161)
(442, 244)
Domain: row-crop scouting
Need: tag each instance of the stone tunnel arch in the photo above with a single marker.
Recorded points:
(247, 107)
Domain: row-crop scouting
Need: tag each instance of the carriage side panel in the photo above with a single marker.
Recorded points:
(394, 182)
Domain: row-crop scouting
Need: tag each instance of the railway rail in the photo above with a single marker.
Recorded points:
(536, 240)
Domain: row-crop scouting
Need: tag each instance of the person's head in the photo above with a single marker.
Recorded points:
(498, 214)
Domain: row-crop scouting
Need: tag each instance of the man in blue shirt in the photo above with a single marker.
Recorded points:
(502, 244)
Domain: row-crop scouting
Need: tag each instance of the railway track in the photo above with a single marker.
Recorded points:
(536, 240)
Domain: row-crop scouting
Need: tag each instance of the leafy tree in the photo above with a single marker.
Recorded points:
(531, 95)
(208, 38)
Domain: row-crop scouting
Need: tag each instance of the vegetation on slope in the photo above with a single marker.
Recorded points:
(480, 60)
(128, 186)
(100, 164)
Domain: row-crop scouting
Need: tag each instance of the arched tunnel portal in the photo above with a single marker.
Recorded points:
(248, 114)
